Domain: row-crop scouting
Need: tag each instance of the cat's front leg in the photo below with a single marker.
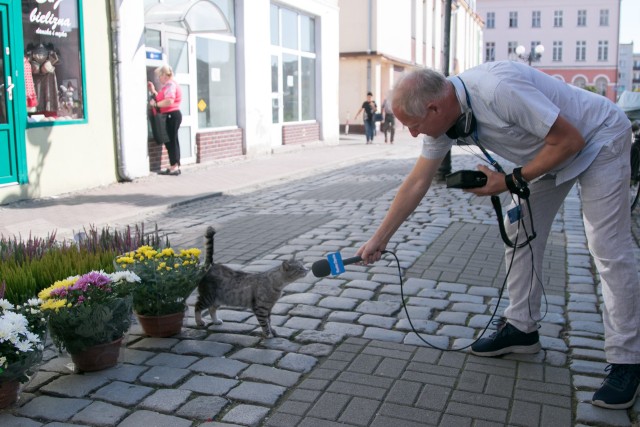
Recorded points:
(214, 316)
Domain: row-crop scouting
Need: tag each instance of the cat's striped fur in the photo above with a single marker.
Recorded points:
(222, 285)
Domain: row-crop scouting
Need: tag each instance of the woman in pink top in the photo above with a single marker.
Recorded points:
(168, 100)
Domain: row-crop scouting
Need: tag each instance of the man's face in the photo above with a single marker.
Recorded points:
(432, 123)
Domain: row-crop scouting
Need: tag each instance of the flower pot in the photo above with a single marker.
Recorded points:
(98, 357)
(161, 326)
(8, 392)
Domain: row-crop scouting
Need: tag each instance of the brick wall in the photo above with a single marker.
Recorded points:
(298, 134)
(216, 145)
(210, 146)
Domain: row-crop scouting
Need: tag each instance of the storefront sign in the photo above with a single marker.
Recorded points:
(50, 24)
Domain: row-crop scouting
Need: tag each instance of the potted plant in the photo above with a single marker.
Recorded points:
(88, 316)
(167, 278)
(22, 334)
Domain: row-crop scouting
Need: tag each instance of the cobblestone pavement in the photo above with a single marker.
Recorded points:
(346, 353)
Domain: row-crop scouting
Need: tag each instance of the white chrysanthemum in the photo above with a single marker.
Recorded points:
(23, 346)
(17, 320)
(34, 302)
(127, 276)
(5, 305)
(32, 338)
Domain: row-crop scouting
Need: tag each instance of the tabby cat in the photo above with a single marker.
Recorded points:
(222, 285)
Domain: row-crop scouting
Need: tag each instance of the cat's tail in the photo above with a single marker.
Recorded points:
(208, 259)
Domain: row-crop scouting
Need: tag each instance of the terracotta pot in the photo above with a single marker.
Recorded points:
(8, 392)
(98, 357)
(161, 326)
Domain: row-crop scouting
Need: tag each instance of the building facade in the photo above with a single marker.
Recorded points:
(256, 76)
(382, 39)
(580, 38)
(625, 67)
(635, 79)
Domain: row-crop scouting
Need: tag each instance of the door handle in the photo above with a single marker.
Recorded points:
(10, 86)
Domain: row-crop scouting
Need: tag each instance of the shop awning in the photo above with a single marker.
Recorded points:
(196, 16)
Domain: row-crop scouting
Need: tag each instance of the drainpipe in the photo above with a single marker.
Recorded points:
(129, 102)
(369, 42)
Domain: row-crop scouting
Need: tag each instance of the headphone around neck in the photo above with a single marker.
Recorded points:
(465, 125)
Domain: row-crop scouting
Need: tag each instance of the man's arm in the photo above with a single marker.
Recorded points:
(410, 193)
(562, 142)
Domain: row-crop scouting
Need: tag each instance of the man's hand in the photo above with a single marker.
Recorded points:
(371, 251)
(494, 186)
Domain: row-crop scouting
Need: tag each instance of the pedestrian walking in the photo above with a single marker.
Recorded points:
(388, 120)
(368, 110)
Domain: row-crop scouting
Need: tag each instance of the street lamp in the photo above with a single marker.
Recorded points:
(532, 56)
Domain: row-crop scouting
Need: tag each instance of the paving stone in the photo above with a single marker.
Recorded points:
(75, 385)
(155, 344)
(210, 385)
(309, 311)
(148, 418)
(297, 362)
(344, 316)
(235, 339)
(219, 366)
(249, 415)
(329, 406)
(426, 326)
(416, 313)
(380, 308)
(164, 376)
(344, 329)
(202, 348)
(280, 344)
(165, 400)
(252, 392)
(383, 334)
(338, 303)
(53, 408)
(202, 407)
(316, 349)
(8, 420)
(123, 393)
(374, 320)
(302, 323)
(233, 315)
(256, 355)
(271, 375)
(354, 293)
(363, 284)
(303, 298)
(171, 360)
(321, 337)
(100, 413)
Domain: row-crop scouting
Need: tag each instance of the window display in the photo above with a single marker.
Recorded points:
(52, 57)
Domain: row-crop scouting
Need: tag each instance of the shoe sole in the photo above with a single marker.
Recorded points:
(626, 405)
(519, 349)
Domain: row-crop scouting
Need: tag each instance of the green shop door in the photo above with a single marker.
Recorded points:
(9, 61)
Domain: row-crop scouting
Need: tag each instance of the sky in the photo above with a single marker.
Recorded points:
(630, 23)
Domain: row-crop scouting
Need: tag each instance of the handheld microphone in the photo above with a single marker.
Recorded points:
(322, 267)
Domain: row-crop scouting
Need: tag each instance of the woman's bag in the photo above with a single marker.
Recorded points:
(158, 122)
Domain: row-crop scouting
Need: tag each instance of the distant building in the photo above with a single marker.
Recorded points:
(625, 67)
(580, 38)
(635, 81)
(382, 39)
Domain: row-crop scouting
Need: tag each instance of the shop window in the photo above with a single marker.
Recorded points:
(293, 65)
(216, 74)
(53, 58)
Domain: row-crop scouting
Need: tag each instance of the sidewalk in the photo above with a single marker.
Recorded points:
(104, 205)
(345, 353)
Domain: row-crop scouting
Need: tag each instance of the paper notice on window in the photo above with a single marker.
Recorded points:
(215, 74)
(289, 81)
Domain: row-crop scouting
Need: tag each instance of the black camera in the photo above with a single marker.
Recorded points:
(466, 179)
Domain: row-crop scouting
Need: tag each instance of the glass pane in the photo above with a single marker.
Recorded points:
(275, 26)
(227, 8)
(308, 88)
(52, 49)
(290, 87)
(289, 29)
(3, 85)
(307, 34)
(179, 56)
(185, 105)
(274, 90)
(152, 38)
(216, 76)
(184, 137)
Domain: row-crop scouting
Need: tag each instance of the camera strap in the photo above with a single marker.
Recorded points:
(521, 191)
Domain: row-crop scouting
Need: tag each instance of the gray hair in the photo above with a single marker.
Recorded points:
(164, 70)
(416, 89)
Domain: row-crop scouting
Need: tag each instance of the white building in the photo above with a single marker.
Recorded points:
(256, 75)
(625, 67)
(580, 37)
(381, 39)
